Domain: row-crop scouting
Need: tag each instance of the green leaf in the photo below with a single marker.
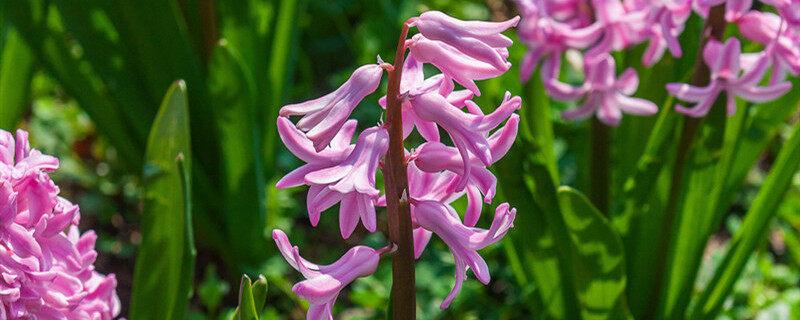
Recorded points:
(597, 257)
(16, 71)
(167, 241)
(753, 230)
(243, 184)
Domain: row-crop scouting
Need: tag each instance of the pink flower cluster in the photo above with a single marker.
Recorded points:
(594, 29)
(339, 172)
(46, 265)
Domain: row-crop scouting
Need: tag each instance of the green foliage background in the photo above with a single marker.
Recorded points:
(95, 83)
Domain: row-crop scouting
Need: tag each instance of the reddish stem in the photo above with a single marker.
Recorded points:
(396, 181)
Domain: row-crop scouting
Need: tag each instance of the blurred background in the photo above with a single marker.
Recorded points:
(86, 79)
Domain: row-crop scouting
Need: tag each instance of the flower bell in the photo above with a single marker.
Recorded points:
(462, 240)
(325, 116)
(324, 282)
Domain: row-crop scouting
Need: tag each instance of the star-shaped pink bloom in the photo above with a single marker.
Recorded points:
(724, 63)
(603, 93)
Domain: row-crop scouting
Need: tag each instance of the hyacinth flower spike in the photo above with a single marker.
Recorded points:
(724, 62)
(352, 182)
(325, 116)
(464, 241)
(324, 282)
(338, 172)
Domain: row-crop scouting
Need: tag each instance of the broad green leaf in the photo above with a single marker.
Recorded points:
(164, 268)
(16, 70)
(243, 183)
(598, 258)
(754, 228)
(528, 178)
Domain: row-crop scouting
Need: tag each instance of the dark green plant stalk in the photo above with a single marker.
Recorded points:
(714, 29)
(600, 167)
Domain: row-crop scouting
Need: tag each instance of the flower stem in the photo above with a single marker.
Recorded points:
(714, 29)
(600, 165)
(399, 214)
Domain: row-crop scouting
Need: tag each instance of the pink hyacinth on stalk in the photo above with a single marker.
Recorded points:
(46, 265)
(420, 183)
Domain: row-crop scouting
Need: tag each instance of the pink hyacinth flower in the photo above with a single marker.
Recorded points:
(603, 94)
(464, 241)
(351, 182)
(46, 267)
(325, 116)
(462, 68)
(324, 282)
(768, 30)
(468, 131)
(479, 40)
(724, 62)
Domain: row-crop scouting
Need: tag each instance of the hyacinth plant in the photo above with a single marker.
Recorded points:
(742, 62)
(420, 183)
(46, 264)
